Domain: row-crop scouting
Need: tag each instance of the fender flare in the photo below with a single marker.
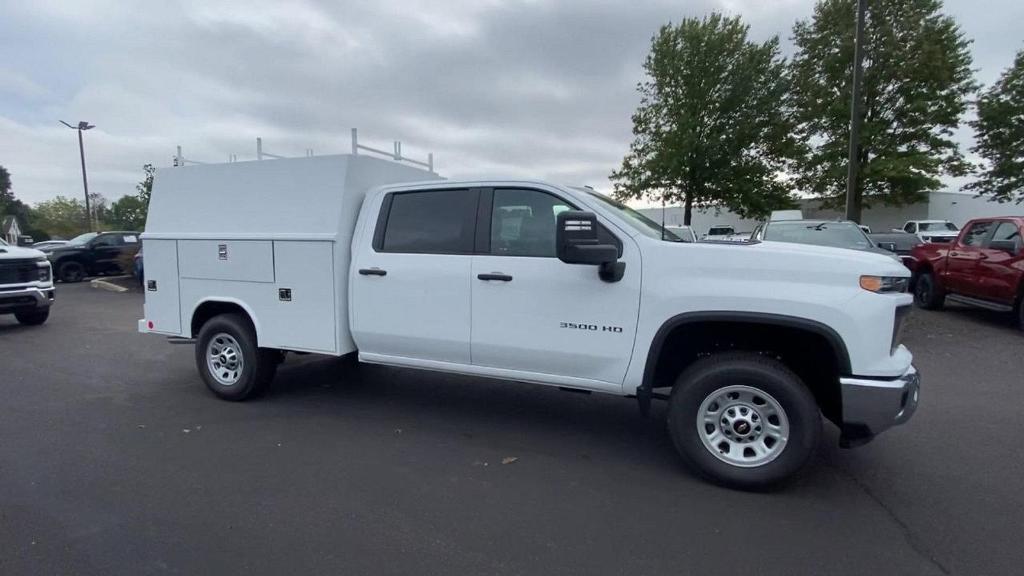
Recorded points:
(645, 392)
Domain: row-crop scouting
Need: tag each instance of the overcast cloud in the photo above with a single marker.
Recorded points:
(539, 89)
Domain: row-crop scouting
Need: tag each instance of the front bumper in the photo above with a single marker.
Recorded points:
(872, 405)
(25, 298)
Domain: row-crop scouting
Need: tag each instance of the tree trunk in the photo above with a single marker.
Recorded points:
(688, 210)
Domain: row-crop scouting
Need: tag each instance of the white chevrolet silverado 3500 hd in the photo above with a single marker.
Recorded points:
(527, 281)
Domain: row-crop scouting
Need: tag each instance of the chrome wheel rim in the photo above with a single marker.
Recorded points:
(224, 359)
(743, 426)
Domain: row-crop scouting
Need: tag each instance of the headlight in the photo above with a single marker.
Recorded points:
(883, 284)
(44, 269)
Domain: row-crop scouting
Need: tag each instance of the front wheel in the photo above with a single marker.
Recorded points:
(927, 293)
(229, 361)
(743, 420)
(33, 318)
(71, 272)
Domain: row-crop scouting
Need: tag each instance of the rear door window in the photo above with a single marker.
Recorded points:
(1006, 232)
(431, 222)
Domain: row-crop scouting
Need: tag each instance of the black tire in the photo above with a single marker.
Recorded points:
(927, 292)
(258, 364)
(708, 376)
(71, 272)
(1020, 311)
(34, 317)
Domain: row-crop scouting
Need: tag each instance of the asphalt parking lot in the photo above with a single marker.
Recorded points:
(114, 459)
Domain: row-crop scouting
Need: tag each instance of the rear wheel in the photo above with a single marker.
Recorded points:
(229, 361)
(927, 293)
(71, 272)
(743, 420)
(34, 317)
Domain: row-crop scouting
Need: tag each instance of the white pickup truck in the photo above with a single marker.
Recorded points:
(26, 284)
(750, 344)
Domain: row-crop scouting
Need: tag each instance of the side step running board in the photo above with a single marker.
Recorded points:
(979, 303)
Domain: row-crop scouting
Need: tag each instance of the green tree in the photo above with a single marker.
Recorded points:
(64, 217)
(712, 127)
(145, 187)
(128, 213)
(917, 77)
(1000, 136)
(12, 206)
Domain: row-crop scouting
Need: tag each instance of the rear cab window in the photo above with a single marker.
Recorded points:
(427, 222)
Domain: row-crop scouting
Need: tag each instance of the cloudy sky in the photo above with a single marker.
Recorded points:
(526, 88)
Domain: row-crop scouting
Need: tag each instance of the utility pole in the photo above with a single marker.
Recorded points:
(853, 204)
(85, 180)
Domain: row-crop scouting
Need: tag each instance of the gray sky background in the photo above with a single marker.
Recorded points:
(539, 89)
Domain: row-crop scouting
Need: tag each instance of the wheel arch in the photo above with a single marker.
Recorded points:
(213, 306)
(676, 345)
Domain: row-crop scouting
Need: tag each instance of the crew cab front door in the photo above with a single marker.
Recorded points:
(538, 318)
(964, 257)
(411, 289)
(999, 271)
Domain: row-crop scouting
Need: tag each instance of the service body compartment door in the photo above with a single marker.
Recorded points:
(302, 313)
(162, 306)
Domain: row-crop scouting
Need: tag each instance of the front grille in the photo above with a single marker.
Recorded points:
(941, 239)
(18, 271)
(897, 326)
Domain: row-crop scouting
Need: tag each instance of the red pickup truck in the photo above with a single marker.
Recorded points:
(983, 267)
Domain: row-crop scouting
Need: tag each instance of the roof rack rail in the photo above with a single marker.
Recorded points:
(395, 154)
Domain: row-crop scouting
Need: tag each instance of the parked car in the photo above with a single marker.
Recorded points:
(47, 245)
(938, 231)
(982, 267)
(685, 233)
(91, 254)
(26, 284)
(834, 233)
(531, 282)
(718, 232)
(900, 243)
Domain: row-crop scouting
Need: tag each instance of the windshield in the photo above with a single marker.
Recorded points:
(835, 234)
(642, 223)
(938, 227)
(721, 231)
(82, 239)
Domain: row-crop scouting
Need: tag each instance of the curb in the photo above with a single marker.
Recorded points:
(105, 284)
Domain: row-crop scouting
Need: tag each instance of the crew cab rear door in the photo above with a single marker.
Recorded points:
(410, 296)
(998, 272)
(962, 265)
(537, 318)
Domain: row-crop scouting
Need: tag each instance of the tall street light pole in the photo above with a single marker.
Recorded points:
(853, 164)
(85, 181)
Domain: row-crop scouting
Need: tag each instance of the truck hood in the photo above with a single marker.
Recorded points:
(12, 252)
(770, 262)
(940, 234)
(866, 260)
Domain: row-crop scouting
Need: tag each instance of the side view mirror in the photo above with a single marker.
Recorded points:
(1008, 246)
(576, 242)
(890, 246)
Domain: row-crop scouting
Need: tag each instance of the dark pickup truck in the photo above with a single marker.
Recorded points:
(94, 253)
(983, 267)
